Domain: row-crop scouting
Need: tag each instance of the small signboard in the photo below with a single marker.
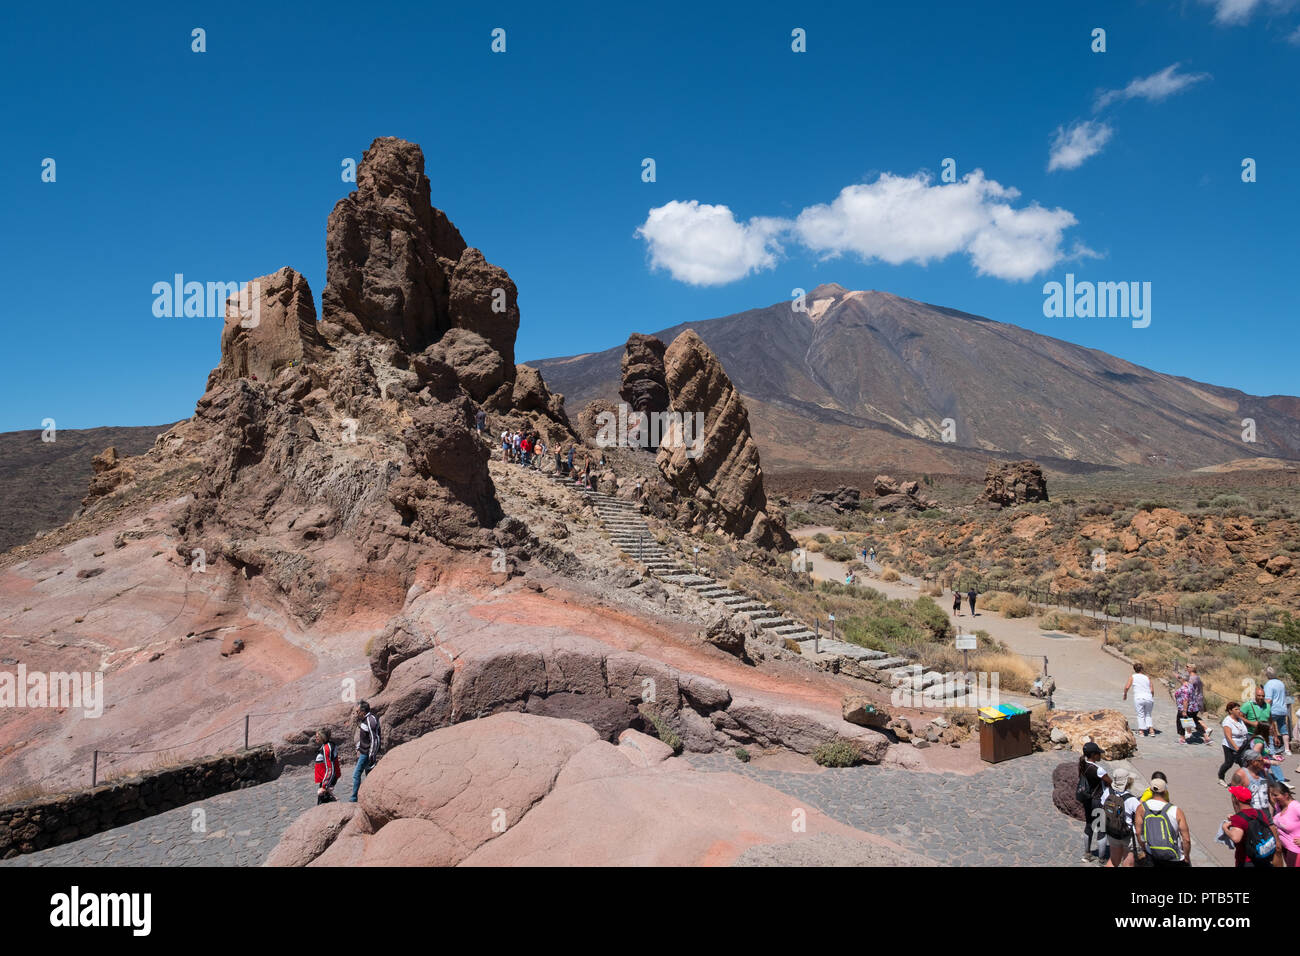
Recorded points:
(966, 642)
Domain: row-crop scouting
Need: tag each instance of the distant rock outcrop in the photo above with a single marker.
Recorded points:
(717, 470)
(844, 498)
(892, 495)
(1014, 483)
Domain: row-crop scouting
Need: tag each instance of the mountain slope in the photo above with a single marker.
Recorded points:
(897, 368)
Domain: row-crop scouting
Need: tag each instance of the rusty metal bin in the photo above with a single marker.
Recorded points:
(1006, 739)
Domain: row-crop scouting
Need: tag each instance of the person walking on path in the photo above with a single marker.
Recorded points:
(368, 745)
(1235, 735)
(1119, 806)
(1196, 702)
(1250, 830)
(1258, 715)
(1144, 700)
(971, 596)
(1093, 779)
(1286, 818)
(1163, 836)
(1275, 691)
(327, 767)
(1181, 697)
(956, 603)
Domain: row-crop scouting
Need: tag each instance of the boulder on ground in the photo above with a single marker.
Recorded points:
(1014, 483)
(861, 710)
(1108, 729)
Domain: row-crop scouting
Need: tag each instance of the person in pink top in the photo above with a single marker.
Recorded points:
(1286, 817)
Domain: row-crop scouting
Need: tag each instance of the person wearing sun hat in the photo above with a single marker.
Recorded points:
(1163, 835)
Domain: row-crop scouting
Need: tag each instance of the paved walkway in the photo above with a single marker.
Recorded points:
(1002, 816)
(240, 829)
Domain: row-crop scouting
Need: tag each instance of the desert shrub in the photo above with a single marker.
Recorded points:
(889, 574)
(1228, 501)
(1151, 504)
(1015, 674)
(1286, 632)
(822, 538)
(932, 617)
(838, 551)
(663, 730)
(741, 754)
(792, 646)
(841, 753)
(796, 518)
(1016, 607)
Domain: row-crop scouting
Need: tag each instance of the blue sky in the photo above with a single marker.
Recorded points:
(224, 165)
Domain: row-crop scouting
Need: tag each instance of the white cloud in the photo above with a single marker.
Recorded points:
(706, 245)
(1155, 87)
(1072, 146)
(1235, 12)
(896, 220)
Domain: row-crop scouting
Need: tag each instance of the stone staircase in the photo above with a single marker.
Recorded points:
(629, 532)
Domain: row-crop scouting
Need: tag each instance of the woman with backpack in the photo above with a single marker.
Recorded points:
(1118, 807)
(1093, 779)
(1251, 830)
(327, 767)
(1163, 836)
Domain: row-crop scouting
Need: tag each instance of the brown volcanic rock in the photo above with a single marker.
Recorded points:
(279, 329)
(484, 300)
(391, 254)
(719, 469)
(478, 366)
(526, 403)
(589, 423)
(644, 388)
(1014, 483)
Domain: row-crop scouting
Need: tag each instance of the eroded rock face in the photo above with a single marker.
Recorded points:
(1014, 483)
(1108, 729)
(644, 387)
(391, 254)
(485, 301)
(278, 330)
(718, 470)
(843, 498)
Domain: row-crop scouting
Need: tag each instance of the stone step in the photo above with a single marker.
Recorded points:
(778, 622)
(740, 597)
(748, 606)
(788, 627)
(766, 612)
(686, 579)
(886, 663)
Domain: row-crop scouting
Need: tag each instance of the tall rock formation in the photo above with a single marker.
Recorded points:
(717, 473)
(644, 387)
(336, 456)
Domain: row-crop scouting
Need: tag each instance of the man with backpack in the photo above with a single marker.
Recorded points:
(1118, 807)
(327, 767)
(1251, 830)
(1163, 836)
(368, 745)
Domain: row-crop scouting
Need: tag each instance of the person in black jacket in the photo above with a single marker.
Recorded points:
(368, 745)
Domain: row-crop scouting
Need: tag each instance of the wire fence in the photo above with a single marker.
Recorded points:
(1187, 621)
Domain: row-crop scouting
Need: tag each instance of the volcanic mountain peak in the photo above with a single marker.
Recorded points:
(901, 368)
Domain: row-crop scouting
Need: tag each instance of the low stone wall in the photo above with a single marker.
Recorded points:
(50, 821)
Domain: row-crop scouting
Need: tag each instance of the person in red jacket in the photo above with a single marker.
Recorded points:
(326, 761)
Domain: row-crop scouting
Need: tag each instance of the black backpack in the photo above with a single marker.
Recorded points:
(1084, 791)
(1259, 839)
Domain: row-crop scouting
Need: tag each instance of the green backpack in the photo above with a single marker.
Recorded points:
(1160, 834)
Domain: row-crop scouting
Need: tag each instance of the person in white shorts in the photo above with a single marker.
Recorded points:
(1143, 699)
